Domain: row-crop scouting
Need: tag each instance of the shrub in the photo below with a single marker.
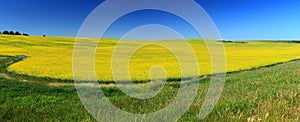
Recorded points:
(18, 33)
(25, 34)
(5, 32)
(11, 33)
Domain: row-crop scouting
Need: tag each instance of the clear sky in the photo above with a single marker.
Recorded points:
(235, 19)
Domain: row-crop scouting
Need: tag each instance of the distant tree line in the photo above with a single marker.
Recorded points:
(13, 33)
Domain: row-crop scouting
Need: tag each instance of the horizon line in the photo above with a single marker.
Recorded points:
(112, 38)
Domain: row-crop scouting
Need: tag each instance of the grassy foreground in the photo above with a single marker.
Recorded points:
(267, 94)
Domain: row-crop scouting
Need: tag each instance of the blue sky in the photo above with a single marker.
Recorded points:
(235, 19)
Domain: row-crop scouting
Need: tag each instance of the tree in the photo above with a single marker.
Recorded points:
(18, 33)
(44, 35)
(5, 32)
(25, 34)
(0, 32)
(11, 33)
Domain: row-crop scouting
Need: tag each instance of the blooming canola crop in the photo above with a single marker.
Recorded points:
(52, 56)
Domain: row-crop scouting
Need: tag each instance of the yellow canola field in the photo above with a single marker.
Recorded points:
(52, 56)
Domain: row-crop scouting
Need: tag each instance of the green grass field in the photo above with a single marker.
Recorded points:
(267, 94)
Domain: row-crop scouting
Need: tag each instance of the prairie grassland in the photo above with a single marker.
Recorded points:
(52, 56)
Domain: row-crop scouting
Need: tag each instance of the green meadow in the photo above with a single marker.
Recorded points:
(270, 93)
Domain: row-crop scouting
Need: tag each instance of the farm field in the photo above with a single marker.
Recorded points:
(263, 94)
(136, 61)
(52, 56)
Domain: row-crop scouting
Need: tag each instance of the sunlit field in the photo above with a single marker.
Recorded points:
(262, 94)
(52, 56)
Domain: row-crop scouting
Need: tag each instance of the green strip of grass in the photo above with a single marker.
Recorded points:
(267, 94)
